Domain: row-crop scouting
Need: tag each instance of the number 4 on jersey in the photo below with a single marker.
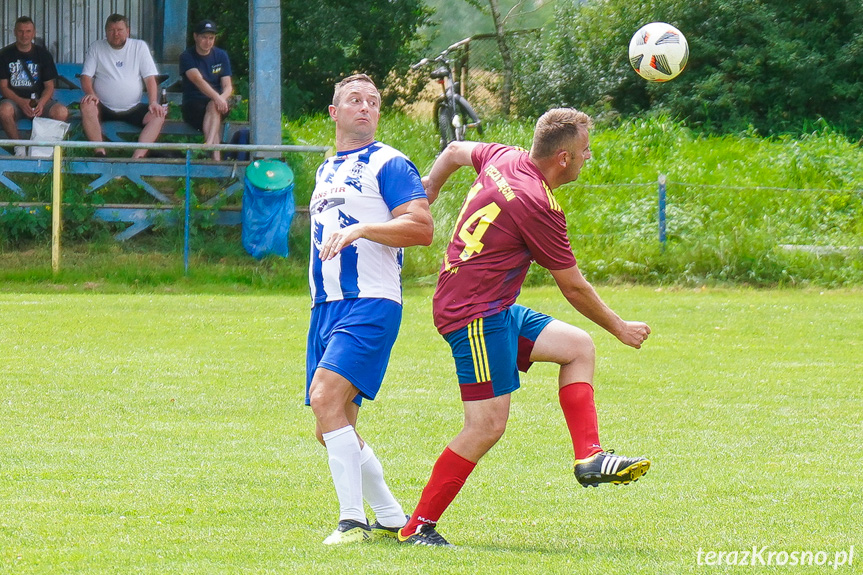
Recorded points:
(483, 218)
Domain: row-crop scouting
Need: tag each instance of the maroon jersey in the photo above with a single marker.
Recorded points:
(509, 218)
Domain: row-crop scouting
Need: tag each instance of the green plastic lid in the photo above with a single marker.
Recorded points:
(270, 174)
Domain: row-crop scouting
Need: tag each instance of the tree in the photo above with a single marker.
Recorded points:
(505, 55)
(503, 47)
(323, 42)
(774, 65)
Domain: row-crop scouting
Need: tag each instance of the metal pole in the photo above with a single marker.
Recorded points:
(662, 181)
(187, 222)
(265, 72)
(57, 207)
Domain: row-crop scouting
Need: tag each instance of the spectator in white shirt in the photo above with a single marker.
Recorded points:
(111, 81)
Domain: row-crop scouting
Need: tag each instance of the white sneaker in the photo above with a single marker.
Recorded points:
(20, 151)
(349, 531)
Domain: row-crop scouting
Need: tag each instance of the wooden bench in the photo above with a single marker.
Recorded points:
(122, 131)
(68, 92)
(142, 217)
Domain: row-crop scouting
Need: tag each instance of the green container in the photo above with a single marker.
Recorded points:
(270, 175)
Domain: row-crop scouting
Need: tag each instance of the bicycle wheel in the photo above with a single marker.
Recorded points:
(444, 114)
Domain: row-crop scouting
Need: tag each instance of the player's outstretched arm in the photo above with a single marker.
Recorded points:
(412, 225)
(578, 292)
(454, 156)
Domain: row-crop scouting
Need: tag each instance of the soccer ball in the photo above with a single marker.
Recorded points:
(658, 52)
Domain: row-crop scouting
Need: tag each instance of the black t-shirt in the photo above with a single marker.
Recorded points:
(39, 63)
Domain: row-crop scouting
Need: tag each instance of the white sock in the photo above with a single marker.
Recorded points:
(343, 448)
(388, 511)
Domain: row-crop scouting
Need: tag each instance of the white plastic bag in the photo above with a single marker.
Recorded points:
(46, 130)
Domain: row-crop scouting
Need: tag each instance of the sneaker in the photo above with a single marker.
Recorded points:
(20, 151)
(605, 467)
(425, 535)
(349, 531)
(381, 532)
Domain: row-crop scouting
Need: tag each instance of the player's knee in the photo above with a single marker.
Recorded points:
(488, 431)
(327, 403)
(496, 429)
(319, 399)
(581, 347)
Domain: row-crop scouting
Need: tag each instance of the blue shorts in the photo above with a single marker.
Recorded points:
(353, 338)
(490, 351)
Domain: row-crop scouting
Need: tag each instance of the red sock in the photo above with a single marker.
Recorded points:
(447, 478)
(576, 400)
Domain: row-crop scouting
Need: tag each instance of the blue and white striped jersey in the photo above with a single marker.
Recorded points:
(362, 185)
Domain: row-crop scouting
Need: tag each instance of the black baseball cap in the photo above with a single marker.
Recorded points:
(206, 26)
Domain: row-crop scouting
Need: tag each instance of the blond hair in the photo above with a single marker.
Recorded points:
(556, 129)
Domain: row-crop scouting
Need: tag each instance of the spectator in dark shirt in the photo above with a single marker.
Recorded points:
(27, 74)
(206, 72)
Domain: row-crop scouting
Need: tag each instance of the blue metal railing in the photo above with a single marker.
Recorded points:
(255, 151)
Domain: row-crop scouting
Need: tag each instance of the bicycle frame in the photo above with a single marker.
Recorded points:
(452, 112)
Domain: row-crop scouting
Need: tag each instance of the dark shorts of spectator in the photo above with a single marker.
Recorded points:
(194, 112)
(46, 110)
(134, 115)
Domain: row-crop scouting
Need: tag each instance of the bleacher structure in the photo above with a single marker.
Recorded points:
(67, 28)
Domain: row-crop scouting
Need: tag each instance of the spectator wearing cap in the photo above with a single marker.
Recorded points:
(206, 72)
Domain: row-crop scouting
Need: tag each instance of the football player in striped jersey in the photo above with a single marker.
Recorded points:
(509, 218)
(368, 204)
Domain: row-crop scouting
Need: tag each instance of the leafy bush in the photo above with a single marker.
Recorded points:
(31, 222)
(771, 65)
(19, 225)
(733, 203)
(324, 42)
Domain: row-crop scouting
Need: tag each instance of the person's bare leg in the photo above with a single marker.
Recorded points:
(92, 126)
(152, 129)
(59, 113)
(212, 129)
(7, 120)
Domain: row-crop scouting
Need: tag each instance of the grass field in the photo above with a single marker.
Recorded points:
(165, 434)
(740, 209)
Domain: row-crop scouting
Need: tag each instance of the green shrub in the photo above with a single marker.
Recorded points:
(764, 64)
(732, 204)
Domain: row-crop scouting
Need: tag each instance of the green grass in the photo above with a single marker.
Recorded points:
(159, 433)
(732, 203)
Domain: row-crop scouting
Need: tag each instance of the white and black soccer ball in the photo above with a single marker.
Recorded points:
(658, 52)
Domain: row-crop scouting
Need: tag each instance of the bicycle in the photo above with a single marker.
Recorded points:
(452, 112)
